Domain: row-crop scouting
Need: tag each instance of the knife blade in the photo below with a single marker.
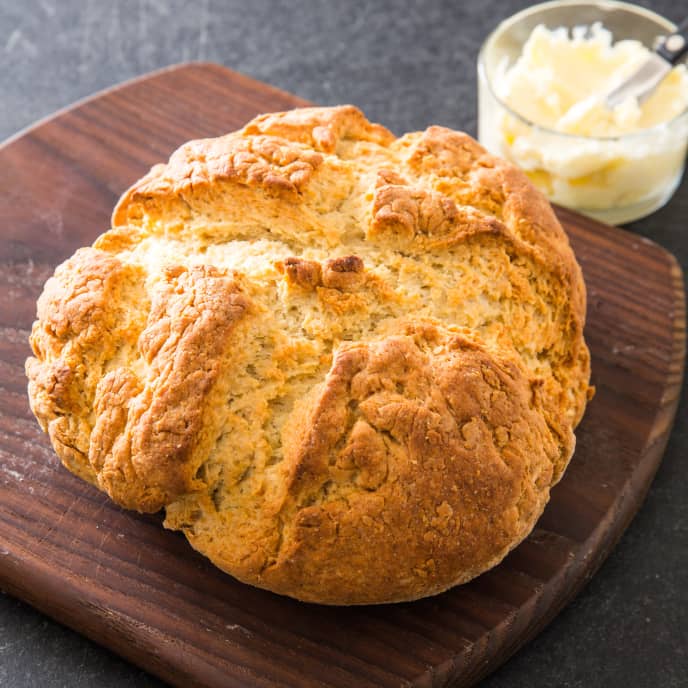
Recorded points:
(641, 83)
(650, 73)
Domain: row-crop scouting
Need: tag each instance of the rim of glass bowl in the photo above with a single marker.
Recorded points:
(602, 4)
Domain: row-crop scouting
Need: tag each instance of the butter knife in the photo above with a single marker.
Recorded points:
(652, 70)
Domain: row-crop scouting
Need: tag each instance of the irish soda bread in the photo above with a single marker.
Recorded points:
(347, 365)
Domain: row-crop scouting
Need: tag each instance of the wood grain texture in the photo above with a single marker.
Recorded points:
(143, 592)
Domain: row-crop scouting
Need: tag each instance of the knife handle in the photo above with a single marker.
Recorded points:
(674, 47)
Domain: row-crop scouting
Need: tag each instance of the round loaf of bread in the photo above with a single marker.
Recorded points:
(347, 365)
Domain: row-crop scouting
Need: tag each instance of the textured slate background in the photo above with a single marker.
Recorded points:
(408, 65)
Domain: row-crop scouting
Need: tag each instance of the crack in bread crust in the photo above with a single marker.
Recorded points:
(147, 442)
(419, 433)
(347, 365)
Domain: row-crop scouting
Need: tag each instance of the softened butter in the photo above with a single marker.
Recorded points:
(557, 127)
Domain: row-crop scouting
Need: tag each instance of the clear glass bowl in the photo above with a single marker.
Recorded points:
(626, 177)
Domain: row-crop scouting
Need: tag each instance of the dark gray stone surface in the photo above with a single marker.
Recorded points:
(408, 65)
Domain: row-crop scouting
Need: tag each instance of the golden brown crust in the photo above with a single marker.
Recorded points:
(349, 366)
(464, 168)
(321, 128)
(280, 168)
(427, 219)
(424, 447)
(78, 328)
(143, 432)
(144, 444)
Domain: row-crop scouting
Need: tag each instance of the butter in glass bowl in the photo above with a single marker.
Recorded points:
(542, 77)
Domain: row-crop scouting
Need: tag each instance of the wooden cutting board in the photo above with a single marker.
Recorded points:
(122, 580)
